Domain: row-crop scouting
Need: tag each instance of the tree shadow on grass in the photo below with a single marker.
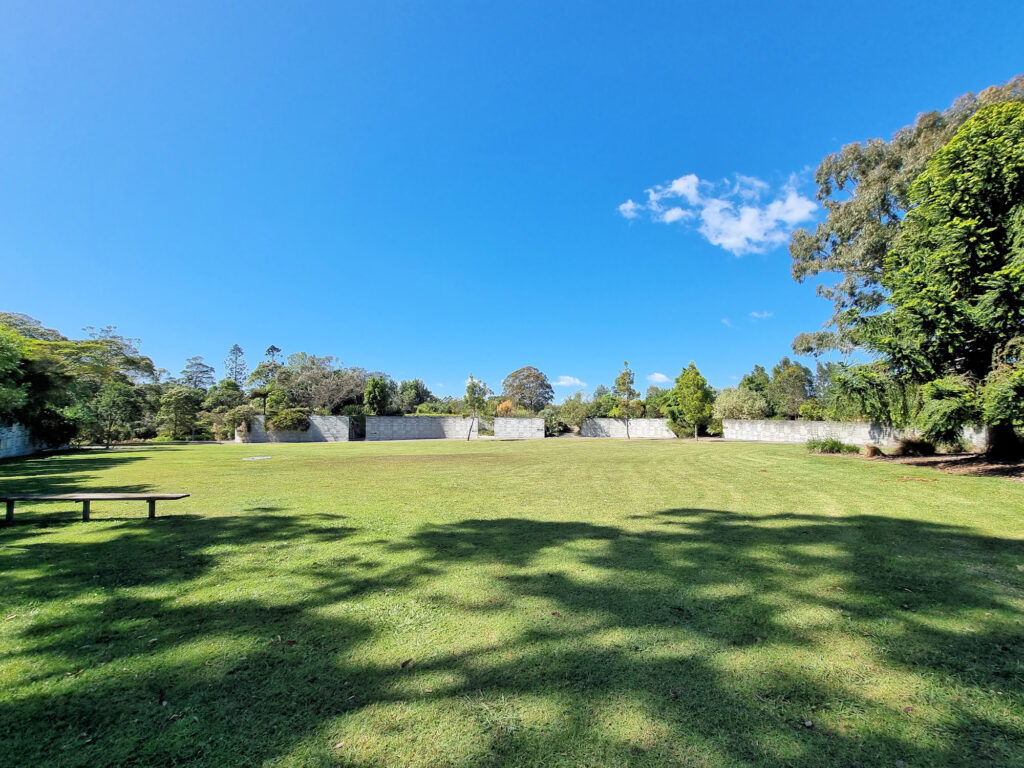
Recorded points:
(65, 473)
(685, 637)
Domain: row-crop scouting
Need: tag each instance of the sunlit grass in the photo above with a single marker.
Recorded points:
(555, 603)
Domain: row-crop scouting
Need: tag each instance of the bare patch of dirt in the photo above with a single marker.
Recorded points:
(965, 464)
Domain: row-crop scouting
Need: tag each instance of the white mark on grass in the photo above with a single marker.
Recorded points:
(254, 458)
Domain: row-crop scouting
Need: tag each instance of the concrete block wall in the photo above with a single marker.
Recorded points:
(640, 429)
(852, 432)
(16, 440)
(514, 428)
(420, 428)
(322, 429)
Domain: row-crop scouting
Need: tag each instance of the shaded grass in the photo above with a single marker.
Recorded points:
(553, 603)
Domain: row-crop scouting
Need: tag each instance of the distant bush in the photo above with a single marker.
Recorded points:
(734, 403)
(553, 424)
(288, 420)
(237, 417)
(831, 445)
(812, 410)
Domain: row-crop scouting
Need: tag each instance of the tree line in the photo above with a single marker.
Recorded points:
(924, 233)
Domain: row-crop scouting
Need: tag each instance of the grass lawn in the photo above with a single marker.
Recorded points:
(546, 603)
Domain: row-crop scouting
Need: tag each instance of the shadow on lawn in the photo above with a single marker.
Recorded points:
(664, 606)
(66, 472)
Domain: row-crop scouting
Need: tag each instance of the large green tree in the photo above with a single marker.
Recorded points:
(477, 393)
(377, 398)
(865, 189)
(117, 407)
(955, 281)
(790, 387)
(179, 411)
(411, 394)
(528, 387)
(197, 374)
(235, 367)
(689, 403)
(628, 404)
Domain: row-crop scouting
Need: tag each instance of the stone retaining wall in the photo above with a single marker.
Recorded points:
(322, 429)
(852, 432)
(641, 429)
(16, 440)
(420, 428)
(515, 428)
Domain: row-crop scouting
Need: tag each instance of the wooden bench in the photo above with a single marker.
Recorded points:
(87, 498)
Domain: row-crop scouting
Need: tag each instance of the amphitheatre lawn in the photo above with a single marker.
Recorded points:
(547, 603)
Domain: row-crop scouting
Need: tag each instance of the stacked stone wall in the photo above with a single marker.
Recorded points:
(514, 428)
(851, 432)
(322, 429)
(639, 429)
(16, 440)
(420, 428)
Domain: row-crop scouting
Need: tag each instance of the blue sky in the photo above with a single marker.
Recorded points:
(435, 189)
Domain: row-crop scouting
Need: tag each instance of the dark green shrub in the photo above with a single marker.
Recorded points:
(553, 423)
(237, 417)
(288, 420)
(912, 446)
(830, 445)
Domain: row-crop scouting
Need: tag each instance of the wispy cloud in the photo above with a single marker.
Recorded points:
(727, 322)
(761, 315)
(742, 216)
(568, 381)
(658, 378)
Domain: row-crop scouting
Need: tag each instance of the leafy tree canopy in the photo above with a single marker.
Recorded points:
(528, 387)
(377, 398)
(689, 403)
(865, 189)
(955, 278)
(197, 374)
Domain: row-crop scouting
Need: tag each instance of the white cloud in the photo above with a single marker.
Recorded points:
(658, 378)
(568, 381)
(727, 322)
(675, 214)
(761, 315)
(732, 215)
(630, 210)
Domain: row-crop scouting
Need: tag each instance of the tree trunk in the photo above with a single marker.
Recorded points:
(1003, 442)
(470, 433)
(627, 427)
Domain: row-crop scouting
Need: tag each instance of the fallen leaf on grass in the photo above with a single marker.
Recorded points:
(908, 710)
(289, 642)
(908, 478)
(406, 663)
(556, 613)
(339, 745)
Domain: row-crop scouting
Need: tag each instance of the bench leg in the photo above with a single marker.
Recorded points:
(85, 511)
(9, 517)
(152, 508)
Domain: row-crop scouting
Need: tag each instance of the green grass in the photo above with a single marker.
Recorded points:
(554, 603)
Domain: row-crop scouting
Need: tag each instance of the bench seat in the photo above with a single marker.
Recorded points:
(87, 498)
